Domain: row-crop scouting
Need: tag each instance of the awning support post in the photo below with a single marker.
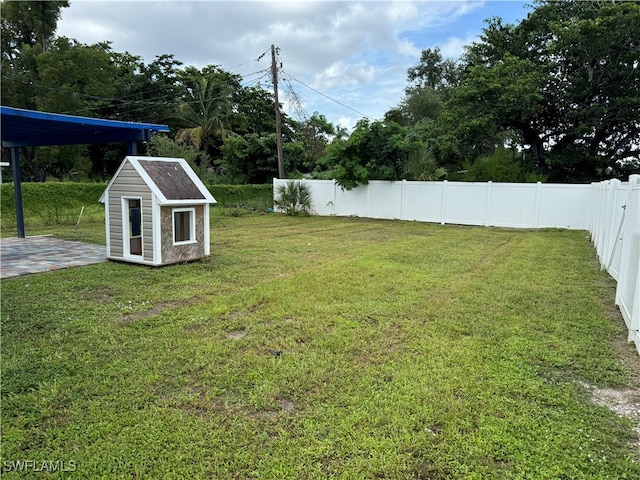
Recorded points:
(17, 190)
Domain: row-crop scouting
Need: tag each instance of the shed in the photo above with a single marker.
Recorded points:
(156, 212)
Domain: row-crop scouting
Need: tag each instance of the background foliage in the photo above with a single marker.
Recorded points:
(60, 203)
(559, 91)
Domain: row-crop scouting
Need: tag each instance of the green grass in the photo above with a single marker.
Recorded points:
(322, 348)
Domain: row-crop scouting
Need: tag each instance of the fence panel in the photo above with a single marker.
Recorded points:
(514, 205)
(423, 201)
(464, 203)
(628, 289)
(322, 196)
(384, 199)
(564, 206)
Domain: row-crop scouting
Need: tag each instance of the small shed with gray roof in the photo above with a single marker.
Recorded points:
(156, 212)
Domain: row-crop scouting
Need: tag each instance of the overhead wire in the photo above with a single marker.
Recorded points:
(328, 97)
(292, 95)
(253, 60)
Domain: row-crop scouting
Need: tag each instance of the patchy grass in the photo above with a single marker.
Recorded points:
(319, 348)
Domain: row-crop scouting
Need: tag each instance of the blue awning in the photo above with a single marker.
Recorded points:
(28, 128)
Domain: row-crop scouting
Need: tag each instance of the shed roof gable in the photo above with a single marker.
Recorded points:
(171, 180)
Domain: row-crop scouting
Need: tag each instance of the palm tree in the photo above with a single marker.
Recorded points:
(204, 115)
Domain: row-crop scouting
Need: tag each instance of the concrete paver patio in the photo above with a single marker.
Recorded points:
(24, 256)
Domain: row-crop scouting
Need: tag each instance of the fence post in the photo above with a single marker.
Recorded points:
(367, 199)
(444, 202)
(536, 206)
(487, 204)
(605, 211)
(403, 200)
(595, 227)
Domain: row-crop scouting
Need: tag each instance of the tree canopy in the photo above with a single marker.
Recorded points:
(562, 84)
(553, 97)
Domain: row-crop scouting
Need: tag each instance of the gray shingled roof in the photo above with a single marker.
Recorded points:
(172, 180)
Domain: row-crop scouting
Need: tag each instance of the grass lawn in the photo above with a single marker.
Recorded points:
(322, 348)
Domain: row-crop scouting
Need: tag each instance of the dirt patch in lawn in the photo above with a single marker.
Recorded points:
(236, 334)
(623, 401)
(159, 308)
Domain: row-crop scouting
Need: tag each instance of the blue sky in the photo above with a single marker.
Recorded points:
(341, 59)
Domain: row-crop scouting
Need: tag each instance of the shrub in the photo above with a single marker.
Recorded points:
(294, 198)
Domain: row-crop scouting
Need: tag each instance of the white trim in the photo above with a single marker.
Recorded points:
(136, 259)
(207, 246)
(107, 226)
(104, 197)
(156, 227)
(192, 226)
(126, 234)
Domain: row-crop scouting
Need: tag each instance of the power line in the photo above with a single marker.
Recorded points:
(254, 60)
(327, 96)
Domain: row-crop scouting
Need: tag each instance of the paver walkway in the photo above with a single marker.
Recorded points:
(22, 256)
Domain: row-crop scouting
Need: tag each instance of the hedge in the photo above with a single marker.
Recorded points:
(54, 203)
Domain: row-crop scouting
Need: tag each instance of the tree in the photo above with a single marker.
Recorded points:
(374, 151)
(434, 72)
(145, 93)
(26, 30)
(565, 80)
(205, 112)
(28, 23)
(252, 158)
(314, 133)
(74, 78)
(255, 111)
(431, 82)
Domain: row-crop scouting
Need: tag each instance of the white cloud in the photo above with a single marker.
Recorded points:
(354, 52)
(347, 123)
(453, 47)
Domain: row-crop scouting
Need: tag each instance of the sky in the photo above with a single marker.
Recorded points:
(345, 60)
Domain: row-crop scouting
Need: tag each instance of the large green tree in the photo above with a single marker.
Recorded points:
(374, 151)
(205, 113)
(431, 82)
(565, 81)
(28, 23)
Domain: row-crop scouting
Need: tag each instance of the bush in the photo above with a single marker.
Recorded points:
(243, 197)
(294, 198)
(53, 203)
(497, 167)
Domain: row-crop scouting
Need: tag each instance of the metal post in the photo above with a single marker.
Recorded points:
(132, 149)
(17, 190)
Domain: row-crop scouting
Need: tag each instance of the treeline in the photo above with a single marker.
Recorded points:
(555, 97)
(226, 130)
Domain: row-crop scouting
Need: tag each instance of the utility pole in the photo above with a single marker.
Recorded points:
(274, 74)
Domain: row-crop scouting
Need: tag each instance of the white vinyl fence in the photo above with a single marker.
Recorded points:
(516, 205)
(615, 231)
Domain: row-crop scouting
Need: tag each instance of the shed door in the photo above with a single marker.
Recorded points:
(135, 226)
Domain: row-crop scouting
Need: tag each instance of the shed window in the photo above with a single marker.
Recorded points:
(184, 226)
